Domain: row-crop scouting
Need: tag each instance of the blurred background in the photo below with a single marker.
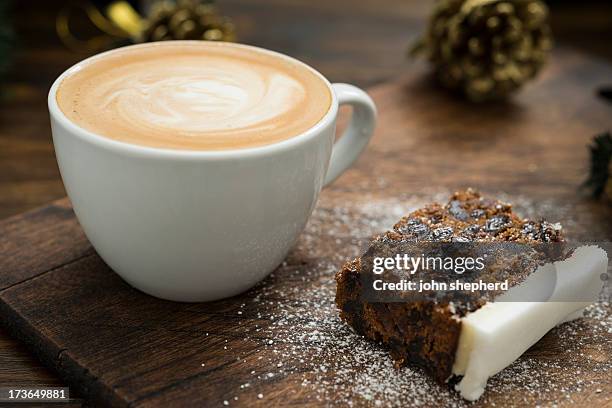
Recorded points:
(364, 42)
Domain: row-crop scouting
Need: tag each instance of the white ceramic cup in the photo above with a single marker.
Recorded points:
(190, 225)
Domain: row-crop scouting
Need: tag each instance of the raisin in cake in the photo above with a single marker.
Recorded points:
(465, 338)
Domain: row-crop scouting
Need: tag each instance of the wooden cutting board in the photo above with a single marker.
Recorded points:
(282, 342)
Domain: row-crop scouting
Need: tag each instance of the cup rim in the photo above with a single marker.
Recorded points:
(150, 151)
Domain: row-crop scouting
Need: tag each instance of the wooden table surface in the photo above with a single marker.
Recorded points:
(359, 42)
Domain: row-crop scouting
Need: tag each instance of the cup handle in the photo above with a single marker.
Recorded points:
(356, 137)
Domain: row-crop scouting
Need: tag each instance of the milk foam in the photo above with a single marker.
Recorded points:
(194, 95)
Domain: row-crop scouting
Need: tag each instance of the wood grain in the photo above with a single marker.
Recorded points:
(361, 42)
(116, 346)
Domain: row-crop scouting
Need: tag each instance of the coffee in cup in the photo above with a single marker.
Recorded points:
(195, 96)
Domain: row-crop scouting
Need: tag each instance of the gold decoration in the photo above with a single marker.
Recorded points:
(109, 33)
(166, 20)
(123, 15)
(486, 48)
(185, 20)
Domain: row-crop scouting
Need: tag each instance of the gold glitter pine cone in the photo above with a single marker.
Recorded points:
(486, 48)
(186, 20)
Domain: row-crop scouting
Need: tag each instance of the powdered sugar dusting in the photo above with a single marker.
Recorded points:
(309, 344)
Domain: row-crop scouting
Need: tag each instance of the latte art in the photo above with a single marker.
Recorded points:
(194, 96)
(194, 99)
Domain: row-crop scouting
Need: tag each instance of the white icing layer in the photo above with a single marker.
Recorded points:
(497, 334)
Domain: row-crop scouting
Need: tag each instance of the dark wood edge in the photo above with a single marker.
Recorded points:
(57, 359)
